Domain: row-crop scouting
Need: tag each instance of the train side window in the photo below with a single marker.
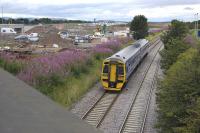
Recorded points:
(133, 60)
(105, 69)
(120, 70)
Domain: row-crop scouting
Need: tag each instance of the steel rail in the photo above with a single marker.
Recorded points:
(140, 85)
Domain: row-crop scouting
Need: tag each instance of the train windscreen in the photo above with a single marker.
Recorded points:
(105, 69)
(120, 70)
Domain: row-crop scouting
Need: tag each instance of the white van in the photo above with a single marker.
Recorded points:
(8, 31)
(33, 35)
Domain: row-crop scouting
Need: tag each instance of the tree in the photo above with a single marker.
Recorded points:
(173, 44)
(35, 21)
(139, 27)
(177, 29)
(45, 20)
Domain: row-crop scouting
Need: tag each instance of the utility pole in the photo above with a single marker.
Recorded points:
(2, 14)
(195, 22)
(197, 25)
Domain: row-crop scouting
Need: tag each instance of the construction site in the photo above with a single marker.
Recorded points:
(51, 38)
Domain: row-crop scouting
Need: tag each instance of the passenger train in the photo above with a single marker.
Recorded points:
(117, 69)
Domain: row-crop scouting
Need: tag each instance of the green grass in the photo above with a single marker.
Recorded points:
(81, 80)
(75, 86)
(152, 36)
(194, 34)
(13, 67)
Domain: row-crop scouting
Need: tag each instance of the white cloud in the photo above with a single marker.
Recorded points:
(177, 11)
(62, 2)
(102, 9)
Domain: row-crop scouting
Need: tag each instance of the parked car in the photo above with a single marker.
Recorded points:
(22, 38)
(33, 35)
(8, 31)
(63, 34)
(27, 38)
(33, 39)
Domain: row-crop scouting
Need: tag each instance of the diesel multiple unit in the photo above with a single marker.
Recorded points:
(117, 69)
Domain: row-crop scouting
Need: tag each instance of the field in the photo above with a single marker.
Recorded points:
(158, 24)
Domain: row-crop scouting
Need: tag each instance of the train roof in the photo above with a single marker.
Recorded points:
(129, 51)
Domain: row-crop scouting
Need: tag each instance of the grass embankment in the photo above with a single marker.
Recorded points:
(65, 77)
(178, 96)
(154, 35)
(75, 86)
(194, 34)
(11, 67)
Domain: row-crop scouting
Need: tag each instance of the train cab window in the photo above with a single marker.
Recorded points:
(120, 70)
(105, 69)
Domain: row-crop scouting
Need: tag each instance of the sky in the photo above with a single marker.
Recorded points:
(118, 10)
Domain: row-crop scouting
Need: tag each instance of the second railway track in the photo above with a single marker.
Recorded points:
(134, 121)
(96, 114)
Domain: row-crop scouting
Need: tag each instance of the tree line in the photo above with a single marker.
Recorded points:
(191, 25)
(38, 21)
(178, 95)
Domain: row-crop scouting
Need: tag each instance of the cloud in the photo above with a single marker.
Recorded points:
(156, 10)
(188, 8)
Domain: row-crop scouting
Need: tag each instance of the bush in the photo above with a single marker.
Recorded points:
(171, 51)
(46, 85)
(12, 66)
(173, 43)
(179, 95)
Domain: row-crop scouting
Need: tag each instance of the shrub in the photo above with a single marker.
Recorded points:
(11, 63)
(171, 51)
(179, 94)
(46, 66)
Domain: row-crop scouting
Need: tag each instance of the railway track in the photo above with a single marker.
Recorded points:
(99, 110)
(96, 114)
(149, 98)
(135, 118)
(155, 41)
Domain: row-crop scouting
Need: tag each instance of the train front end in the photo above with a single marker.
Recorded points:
(113, 75)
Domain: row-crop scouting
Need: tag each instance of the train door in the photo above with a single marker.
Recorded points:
(117, 76)
(113, 74)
